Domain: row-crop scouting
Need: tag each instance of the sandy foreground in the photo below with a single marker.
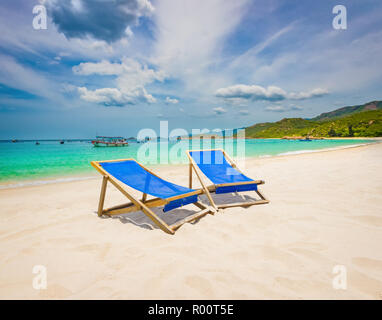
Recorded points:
(325, 210)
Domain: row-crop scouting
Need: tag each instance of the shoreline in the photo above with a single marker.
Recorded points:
(322, 138)
(48, 180)
(186, 138)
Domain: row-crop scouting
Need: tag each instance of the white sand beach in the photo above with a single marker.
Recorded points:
(325, 210)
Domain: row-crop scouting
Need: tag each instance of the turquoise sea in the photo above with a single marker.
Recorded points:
(26, 161)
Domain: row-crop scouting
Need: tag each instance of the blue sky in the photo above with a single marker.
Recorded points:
(113, 67)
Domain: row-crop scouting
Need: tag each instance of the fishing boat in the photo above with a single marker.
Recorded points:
(102, 141)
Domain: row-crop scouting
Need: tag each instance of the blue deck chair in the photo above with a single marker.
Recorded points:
(220, 169)
(128, 172)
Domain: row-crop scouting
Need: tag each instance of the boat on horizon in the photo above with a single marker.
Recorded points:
(102, 141)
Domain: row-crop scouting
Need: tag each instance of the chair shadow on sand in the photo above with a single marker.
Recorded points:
(138, 218)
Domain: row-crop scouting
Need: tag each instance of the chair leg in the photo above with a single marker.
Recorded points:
(190, 176)
(158, 221)
(102, 196)
(205, 188)
(261, 195)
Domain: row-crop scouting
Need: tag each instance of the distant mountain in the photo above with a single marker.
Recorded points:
(345, 111)
(356, 121)
(279, 129)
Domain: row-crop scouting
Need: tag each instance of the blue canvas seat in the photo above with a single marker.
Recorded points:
(135, 176)
(216, 168)
(223, 174)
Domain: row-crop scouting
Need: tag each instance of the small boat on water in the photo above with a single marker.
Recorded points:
(62, 142)
(37, 143)
(102, 141)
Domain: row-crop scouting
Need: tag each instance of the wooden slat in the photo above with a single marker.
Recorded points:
(102, 196)
(190, 176)
(205, 188)
(185, 195)
(200, 205)
(189, 219)
(242, 204)
(116, 212)
(119, 206)
(131, 207)
(261, 195)
(207, 192)
(239, 183)
(150, 203)
(230, 160)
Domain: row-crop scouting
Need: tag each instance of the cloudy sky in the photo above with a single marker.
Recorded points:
(112, 67)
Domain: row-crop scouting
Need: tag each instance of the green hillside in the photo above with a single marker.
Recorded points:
(360, 124)
(345, 111)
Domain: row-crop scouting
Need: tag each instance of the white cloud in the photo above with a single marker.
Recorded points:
(102, 68)
(131, 78)
(116, 97)
(275, 108)
(251, 92)
(171, 100)
(271, 93)
(128, 66)
(244, 112)
(107, 96)
(189, 38)
(278, 108)
(318, 92)
(219, 110)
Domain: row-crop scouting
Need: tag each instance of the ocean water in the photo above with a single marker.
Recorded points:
(25, 161)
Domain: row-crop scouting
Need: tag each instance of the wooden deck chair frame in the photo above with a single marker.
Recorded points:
(208, 189)
(144, 204)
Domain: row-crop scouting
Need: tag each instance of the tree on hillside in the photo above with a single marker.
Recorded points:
(332, 132)
(351, 132)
